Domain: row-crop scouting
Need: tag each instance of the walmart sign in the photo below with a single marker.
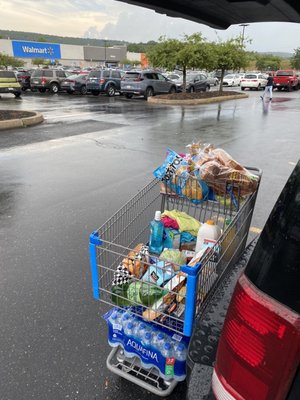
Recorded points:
(36, 50)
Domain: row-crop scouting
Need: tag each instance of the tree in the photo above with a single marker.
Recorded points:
(126, 61)
(41, 39)
(191, 52)
(8, 61)
(268, 62)
(229, 55)
(38, 61)
(295, 59)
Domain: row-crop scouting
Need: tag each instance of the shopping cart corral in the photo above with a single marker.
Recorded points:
(119, 264)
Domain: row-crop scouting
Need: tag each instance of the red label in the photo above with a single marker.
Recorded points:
(170, 360)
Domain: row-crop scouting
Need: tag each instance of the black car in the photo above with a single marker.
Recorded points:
(75, 83)
(104, 81)
(195, 82)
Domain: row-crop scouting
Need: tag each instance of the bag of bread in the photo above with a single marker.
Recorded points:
(137, 260)
(175, 173)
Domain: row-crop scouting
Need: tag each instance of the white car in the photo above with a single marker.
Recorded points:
(253, 81)
(231, 80)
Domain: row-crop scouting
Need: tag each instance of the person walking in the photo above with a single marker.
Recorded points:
(269, 87)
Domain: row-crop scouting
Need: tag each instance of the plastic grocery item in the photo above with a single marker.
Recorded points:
(180, 352)
(229, 243)
(156, 234)
(208, 230)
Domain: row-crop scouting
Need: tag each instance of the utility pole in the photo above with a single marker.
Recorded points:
(243, 33)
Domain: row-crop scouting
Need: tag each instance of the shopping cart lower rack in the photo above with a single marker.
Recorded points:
(149, 326)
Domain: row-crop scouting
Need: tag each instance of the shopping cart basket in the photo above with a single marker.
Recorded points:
(115, 240)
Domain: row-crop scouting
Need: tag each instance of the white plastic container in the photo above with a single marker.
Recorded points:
(208, 230)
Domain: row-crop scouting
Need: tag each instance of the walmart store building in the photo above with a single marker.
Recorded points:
(64, 54)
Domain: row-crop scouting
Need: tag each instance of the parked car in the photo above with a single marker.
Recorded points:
(231, 80)
(146, 83)
(195, 82)
(47, 79)
(9, 83)
(253, 81)
(23, 78)
(212, 80)
(104, 81)
(75, 83)
(286, 79)
(173, 77)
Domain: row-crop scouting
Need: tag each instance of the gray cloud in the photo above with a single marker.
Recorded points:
(121, 21)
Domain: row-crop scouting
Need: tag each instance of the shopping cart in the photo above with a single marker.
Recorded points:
(115, 240)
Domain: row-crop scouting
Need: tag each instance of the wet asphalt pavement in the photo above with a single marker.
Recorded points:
(61, 180)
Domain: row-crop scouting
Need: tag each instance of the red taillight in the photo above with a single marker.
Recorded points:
(102, 81)
(259, 348)
(254, 80)
(242, 80)
(43, 81)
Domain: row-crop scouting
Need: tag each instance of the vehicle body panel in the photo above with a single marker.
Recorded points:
(286, 79)
(250, 81)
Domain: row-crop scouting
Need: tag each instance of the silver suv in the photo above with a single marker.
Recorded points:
(146, 83)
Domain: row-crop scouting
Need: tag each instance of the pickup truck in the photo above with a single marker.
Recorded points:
(286, 79)
(246, 341)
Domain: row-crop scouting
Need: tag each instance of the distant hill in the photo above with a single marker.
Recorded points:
(40, 37)
(36, 37)
(133, 47)
(278, 54)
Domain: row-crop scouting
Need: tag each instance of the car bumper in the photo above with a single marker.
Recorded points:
(134, 92)
(208, 328)
(10, 90)
(94, 87)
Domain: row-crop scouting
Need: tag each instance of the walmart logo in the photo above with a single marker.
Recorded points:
(38, 50)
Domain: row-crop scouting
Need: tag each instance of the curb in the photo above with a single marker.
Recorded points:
(191, 102)
(22, 122)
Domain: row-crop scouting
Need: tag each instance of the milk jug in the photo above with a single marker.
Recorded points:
(208, 230)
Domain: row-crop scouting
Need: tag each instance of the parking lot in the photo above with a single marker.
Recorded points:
(61, 180)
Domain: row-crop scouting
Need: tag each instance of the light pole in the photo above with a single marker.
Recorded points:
(105, 40)
(243, 33)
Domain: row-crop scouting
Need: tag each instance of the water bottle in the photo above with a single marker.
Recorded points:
(180, 352)
(158, 340)
(156, 234)
(129, 329)
(140, 329)
(147, 338)
(167, 349)
(126, 317)
(115, 318)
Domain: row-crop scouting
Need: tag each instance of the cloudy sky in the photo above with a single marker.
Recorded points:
(116, 20)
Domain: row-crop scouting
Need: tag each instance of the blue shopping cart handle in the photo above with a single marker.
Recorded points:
(94, 238)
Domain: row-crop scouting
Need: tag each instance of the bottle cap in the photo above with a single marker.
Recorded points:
(148, 335)
(167, 346)
(210, 222)
(157, 216)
